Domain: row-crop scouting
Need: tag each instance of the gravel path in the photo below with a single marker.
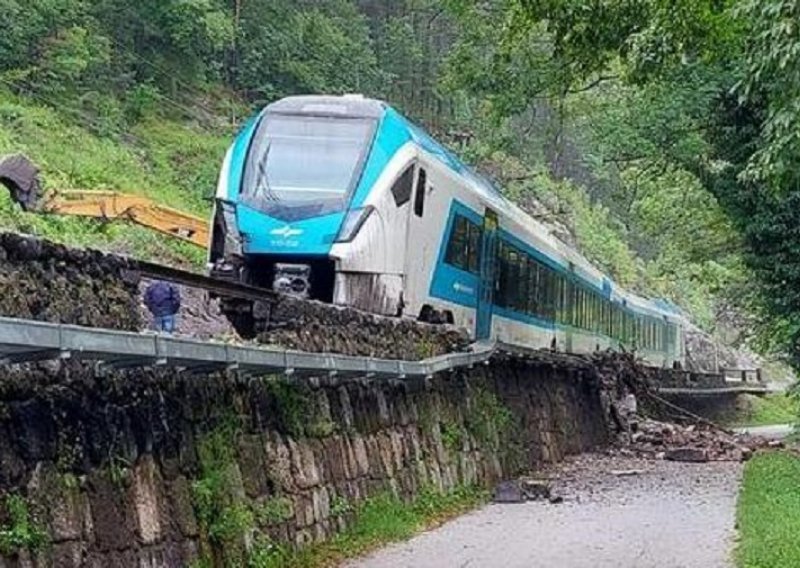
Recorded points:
(666, 515)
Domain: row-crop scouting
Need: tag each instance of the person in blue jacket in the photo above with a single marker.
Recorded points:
(163, 299)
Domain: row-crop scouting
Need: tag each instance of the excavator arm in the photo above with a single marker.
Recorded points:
(21, 177)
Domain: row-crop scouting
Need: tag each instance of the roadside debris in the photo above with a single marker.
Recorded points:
(626, 472)
(631, 405)
(525, 489)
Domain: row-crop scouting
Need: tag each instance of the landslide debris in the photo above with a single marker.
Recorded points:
(645, 424)
(45, 281)
(317, 327)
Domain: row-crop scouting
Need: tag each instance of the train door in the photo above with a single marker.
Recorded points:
(488, 263)
(421, 241)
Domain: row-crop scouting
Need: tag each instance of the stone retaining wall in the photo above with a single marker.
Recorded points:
(49, 282)
(137, 469)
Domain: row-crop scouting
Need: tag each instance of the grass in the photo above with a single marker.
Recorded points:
(768, 513)
(174, 163)
(379, 520)
(766, 410)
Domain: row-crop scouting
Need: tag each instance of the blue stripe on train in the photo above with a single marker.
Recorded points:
(461, 287)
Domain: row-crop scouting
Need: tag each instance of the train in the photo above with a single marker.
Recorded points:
(343, 199)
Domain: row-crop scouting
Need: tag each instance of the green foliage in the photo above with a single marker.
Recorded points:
(452, 436)
(274, 510)
(266, 554)
(21, 531)
(489, 421)
(176, 168)
(224, 514)
(771, 409)
(386, 518)
(297, 410)
(119, 471)
(768, 512)
(340, 506)
(771, 78)
(292, 406)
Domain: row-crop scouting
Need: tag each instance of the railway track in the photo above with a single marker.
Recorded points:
(210, 284)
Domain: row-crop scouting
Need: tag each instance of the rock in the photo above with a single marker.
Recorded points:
(626, 472)
(696, 455)
(534, 489)
(508, 492)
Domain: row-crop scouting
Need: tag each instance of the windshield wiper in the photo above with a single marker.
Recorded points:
(262, 176)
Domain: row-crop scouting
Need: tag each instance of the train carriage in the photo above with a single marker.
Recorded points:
(343, 200)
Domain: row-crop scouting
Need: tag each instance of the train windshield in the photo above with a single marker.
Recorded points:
(304, 166)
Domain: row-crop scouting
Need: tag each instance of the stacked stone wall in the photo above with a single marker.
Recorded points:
(114, 469)
(45, 281)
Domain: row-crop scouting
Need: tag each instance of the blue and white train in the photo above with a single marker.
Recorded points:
(344, 200)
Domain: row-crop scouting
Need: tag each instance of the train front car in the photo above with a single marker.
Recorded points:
(296, 190)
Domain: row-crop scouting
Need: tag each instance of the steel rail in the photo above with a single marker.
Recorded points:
(207, 283)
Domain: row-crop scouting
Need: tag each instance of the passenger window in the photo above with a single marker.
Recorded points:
(457, 247)
(464, 245)
(401, 190)
(419, 201)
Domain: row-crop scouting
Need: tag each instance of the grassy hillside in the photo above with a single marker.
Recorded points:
(172, 162)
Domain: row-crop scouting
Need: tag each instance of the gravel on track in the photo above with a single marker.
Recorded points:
(617, 512)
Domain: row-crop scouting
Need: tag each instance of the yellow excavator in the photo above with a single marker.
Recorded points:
(21, 176)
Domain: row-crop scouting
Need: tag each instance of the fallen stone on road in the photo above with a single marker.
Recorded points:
(525, 489)
(694, 455)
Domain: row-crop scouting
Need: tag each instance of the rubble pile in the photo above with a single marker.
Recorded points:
(645, 425)
(690, 443)
(313, 326)
(45, 281)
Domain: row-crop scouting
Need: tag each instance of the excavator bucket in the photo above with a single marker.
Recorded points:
(21, 177)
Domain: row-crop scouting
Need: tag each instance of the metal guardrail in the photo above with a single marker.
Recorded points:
(24, 341)
(750, 388)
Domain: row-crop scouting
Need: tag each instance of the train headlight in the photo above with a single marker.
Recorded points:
(353, 222)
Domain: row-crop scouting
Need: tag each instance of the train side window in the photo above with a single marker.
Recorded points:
(419, 199)
(402, 187)
(464, 245)
(456, 254)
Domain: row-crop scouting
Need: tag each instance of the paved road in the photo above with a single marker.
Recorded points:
(671, 515)
(774, 432)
